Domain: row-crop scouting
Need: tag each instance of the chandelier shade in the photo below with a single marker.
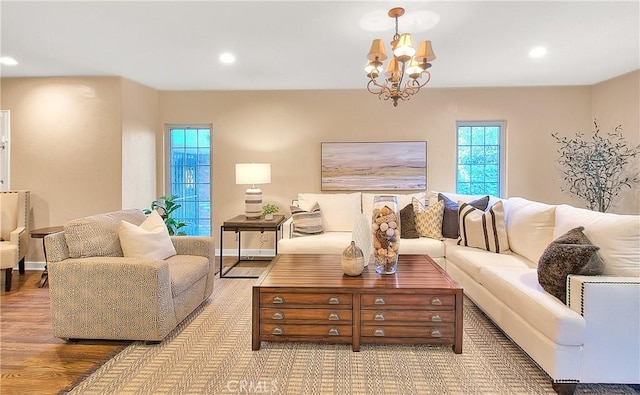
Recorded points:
(405, 60)
(377, 51)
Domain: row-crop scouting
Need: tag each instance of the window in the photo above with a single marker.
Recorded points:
(190, 177)
(479, 158)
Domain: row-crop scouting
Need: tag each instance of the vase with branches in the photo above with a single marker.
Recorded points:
(595, 168)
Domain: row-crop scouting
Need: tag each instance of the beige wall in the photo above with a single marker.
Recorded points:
(617, 102)
(85, 145)
(286, 129)
(82, 145)
(140, 114)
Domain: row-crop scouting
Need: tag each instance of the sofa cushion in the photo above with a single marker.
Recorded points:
(150, 240)
(423, 245)
(408, 223)
(618, 237)
(326, 243)
(571, 253)
(338, 209)
(481, 229)
(186, 270)
(97, 235)
(307, 222)
(402, 198)
(450, 217)
(518, 288)
(471, 260)
(428, 219)
(529, 226)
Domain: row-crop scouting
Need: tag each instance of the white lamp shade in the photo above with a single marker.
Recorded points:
(253, 173)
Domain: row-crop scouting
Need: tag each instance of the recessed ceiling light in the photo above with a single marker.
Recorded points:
(8, 61)
(538, 52)
(226, 58)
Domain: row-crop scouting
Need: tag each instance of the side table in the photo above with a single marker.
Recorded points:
(240, 223)
(40, 233)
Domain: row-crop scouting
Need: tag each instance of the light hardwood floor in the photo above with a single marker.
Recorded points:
(32, 361)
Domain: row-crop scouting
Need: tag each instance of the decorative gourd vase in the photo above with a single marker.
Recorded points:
(385, 229)
(352, 260)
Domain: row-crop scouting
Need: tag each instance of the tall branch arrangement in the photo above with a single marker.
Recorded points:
(595, 169)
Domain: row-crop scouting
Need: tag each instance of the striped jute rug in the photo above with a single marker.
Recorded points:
(210, 353)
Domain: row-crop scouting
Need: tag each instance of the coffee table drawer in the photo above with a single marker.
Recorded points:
(430, 332)
(401, 317)
(408, 301)
(305, 330)
(289, 316)
(271, 299)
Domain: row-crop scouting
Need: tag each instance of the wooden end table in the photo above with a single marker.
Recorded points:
(241, 223)
(307, 298)
(40, 233)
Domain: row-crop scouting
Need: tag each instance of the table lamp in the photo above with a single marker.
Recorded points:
(252, 174)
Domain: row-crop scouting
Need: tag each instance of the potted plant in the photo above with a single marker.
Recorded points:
(166, 206)
(268, 210)
(595, 169)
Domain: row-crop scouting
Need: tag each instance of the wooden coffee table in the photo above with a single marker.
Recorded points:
(308, 298)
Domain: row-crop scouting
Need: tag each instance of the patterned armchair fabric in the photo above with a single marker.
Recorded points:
(99, 294)
(15, 207)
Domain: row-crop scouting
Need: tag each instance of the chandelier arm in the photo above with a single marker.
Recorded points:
(373, 84)
(412, 87)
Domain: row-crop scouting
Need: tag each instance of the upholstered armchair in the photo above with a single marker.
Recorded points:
(98, 292)
(15, 207)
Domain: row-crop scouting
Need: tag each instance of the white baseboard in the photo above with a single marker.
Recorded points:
(32, 265)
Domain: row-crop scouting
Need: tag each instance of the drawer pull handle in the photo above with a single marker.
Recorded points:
(334, 317)
(277, 316)
(334, 332)
(436, 333)
(436, 318)
(334, 300)
(277, 331)
(378, 332)
(278, 299)
(379, 317)
(436, 302)
(379, 301)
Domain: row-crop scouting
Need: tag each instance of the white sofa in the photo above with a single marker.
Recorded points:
(594, 338)
(339, 212)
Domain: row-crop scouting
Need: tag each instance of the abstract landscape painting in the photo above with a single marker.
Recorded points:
(374, 166)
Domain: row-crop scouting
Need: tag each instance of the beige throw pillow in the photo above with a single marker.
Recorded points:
(428, 219)
(150, 240)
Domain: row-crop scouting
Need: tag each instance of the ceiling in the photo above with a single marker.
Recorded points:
(174, 45)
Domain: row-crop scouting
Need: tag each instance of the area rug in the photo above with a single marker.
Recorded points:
(210, 353)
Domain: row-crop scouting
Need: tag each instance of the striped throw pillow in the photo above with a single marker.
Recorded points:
(481, 229)
(307, 223)
(429, 219)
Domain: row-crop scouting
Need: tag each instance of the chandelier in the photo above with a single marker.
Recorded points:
(405, 60)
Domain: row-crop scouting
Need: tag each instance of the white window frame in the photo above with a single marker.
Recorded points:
(502, 148)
